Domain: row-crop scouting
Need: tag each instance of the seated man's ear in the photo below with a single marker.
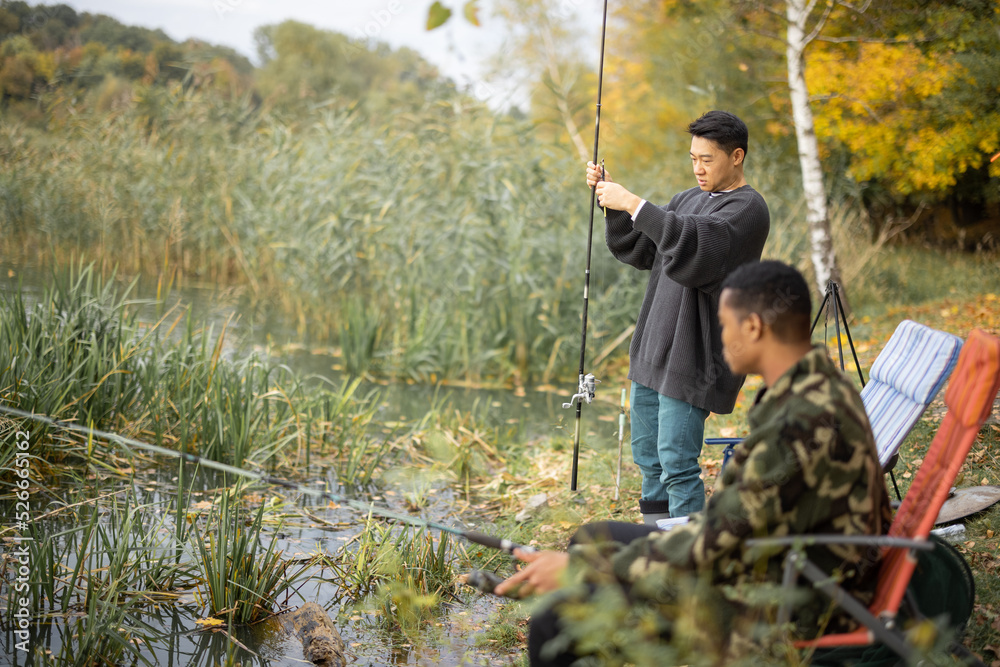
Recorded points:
(753, 326)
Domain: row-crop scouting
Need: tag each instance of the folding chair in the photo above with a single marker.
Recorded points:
(905, 378)
(969, 399)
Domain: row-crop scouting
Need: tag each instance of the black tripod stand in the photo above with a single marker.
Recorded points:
(831, 301)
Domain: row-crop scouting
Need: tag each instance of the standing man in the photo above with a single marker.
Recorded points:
(675, 361)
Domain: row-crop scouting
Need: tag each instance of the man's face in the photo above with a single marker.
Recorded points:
(739, 344)
(714, 170)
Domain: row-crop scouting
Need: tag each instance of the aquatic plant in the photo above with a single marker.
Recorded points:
(241, 578)
(110, 544)
(109, 632)
(383, 554)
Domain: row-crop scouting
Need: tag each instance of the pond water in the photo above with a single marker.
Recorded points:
(304, 526)
(317, 526)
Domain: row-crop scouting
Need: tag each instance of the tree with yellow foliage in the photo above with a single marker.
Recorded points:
(918, 110)
(905, 92)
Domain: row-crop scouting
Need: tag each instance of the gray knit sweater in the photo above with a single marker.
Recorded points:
(689, 246)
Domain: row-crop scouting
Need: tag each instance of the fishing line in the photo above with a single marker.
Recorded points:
(490, 541)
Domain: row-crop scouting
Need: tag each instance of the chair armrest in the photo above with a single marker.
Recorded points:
(870, 540)
(723, 441)
(727, 453)
(797, 562)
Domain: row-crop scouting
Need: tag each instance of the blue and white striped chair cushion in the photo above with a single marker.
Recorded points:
(904, 379)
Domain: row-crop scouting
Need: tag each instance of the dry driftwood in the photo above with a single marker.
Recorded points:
(321, 643)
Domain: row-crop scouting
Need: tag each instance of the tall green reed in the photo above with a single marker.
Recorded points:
(110, 632)
(359, 334)
(71, 353)
(117, 547)
(95, 574)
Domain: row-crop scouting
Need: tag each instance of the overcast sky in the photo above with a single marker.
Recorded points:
(458, 48)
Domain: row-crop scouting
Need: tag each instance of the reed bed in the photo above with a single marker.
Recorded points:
(95, 574)
(420, 243)
(400, 575)
(241, 578)
(382, 555)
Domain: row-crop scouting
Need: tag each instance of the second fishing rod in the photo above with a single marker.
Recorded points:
(476, 537)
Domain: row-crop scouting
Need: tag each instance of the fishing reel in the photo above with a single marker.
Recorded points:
(483, 580)
(486, 582)
(585, 393)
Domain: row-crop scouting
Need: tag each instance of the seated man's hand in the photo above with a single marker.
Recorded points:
(543, 573)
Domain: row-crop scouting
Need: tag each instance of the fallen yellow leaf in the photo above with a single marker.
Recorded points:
(209, 622)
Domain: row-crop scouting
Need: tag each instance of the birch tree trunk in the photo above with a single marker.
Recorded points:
(822, 253)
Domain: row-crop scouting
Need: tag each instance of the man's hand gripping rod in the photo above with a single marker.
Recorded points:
(484, 580)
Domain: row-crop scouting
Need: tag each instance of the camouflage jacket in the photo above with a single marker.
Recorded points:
(809, 465)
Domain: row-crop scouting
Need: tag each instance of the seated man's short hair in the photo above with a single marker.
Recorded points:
(777, 293)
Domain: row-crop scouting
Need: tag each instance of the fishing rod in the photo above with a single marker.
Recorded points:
(621, 443)
(490, 541)
(588, 383)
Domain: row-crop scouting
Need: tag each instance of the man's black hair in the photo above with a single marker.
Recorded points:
(724, 128)
(777, 293)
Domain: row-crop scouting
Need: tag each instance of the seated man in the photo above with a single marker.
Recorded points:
(809, 465)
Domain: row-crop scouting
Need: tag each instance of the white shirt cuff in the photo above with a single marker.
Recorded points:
(637, 209)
